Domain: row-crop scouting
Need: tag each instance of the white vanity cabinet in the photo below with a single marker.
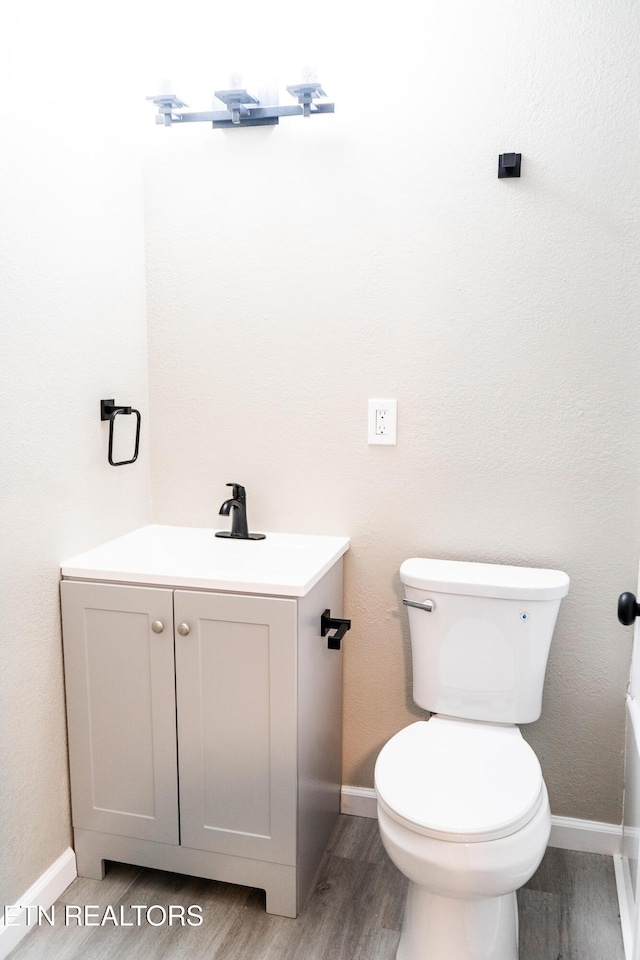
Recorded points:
(204, 724)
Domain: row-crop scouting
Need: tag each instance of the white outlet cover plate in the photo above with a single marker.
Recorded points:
(388, 438)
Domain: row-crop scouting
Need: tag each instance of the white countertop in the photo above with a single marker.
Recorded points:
(284, 564)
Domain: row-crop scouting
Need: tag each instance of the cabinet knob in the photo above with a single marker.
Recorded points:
(157, 626)
(184, 630)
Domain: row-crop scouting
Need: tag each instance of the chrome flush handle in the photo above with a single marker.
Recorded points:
(428, 605)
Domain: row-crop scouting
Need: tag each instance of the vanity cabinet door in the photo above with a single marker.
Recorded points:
(236, 703)
(119, 675)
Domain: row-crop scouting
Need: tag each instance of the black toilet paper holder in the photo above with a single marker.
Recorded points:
(327, 622)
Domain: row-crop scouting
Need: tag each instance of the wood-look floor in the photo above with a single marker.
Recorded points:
(568, 911)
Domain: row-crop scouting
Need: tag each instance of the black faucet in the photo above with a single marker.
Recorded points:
(237, 507)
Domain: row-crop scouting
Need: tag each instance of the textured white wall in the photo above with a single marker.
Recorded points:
(296, 271)
(293, 273)
(72, 314)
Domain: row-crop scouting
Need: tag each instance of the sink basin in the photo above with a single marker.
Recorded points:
(285, 564)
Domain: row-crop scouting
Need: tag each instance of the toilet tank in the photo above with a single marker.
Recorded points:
(481, 653)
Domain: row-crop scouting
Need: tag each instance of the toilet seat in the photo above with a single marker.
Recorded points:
(459, 780)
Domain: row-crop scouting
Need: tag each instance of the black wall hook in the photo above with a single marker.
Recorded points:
(109, 411)
(509, 165)
(327, 622)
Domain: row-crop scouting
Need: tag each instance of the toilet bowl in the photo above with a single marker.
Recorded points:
(463, 813)
(463, 809)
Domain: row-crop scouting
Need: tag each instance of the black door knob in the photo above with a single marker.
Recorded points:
(628, 609)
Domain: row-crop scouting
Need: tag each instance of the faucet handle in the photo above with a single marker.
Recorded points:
(238, 492)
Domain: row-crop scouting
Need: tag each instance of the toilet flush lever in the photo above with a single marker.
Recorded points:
(428, 605)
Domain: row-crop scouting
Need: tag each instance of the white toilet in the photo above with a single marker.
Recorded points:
(462, 807)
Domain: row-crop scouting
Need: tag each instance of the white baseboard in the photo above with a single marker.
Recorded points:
(358, 802)
(44, 893)
(587, 836)
(625, 901)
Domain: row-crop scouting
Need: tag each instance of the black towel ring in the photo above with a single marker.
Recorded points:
(109, 411)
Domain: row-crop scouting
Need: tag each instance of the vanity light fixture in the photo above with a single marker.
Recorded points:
(242, 109)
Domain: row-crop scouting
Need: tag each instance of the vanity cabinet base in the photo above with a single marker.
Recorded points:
(278, 880)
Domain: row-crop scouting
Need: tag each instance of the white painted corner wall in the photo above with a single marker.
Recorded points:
(297, 271)
(72, 309)
(292, 273)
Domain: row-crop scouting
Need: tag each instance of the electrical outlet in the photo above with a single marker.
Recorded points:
(382, 421)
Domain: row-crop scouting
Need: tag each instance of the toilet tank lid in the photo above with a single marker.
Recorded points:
(484, 579)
